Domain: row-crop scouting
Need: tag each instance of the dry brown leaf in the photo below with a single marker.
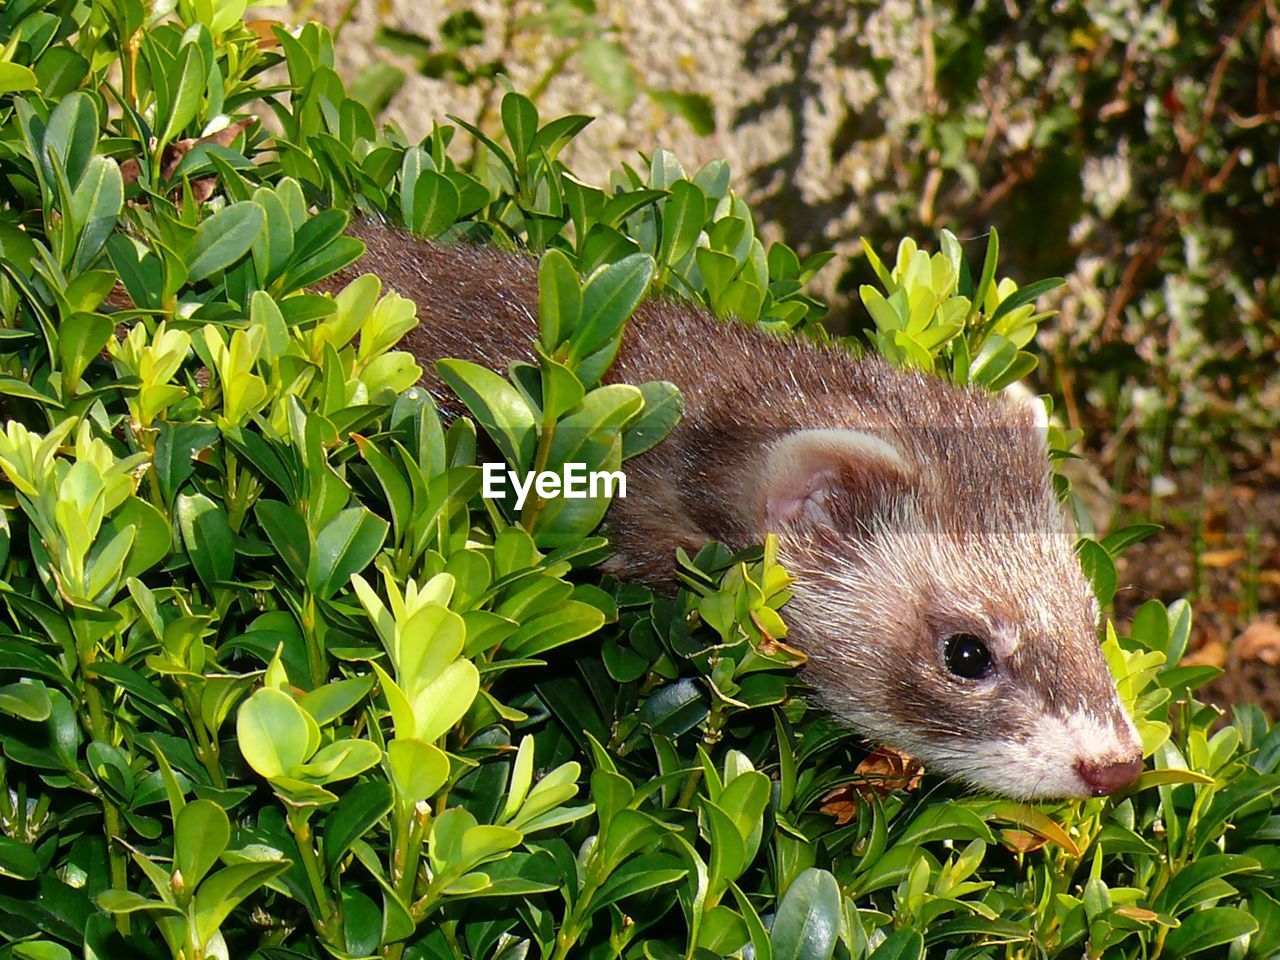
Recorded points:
(1221, 558)
(1022, 841)
(1260, 641)
(840, 803)
(266, 35)
(883, 771)
(1211, 654)
(886, 769)
(202, 189)
(174, 152)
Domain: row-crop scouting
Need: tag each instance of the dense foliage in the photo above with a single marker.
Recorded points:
(1129, 146)
(278, 683)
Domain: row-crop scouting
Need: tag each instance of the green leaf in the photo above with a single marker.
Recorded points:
(134, 684)
(186, 93)
(201, 833)
(1117, 541)
(728, 849)
(1099, 568)
(645, 872)
(287, 531)
(177, 446)
(1209, 928)
(606, 64)
(447, 831)
(1179, 631)
(435, 204)
(20, 388)
(521, 778)
(520, 122)
(953, 822)
(223, 891)
(81, 339)
(41, 950)
(988, 275)
(376, 84)
(808, 920)
(273, 246)
(588, 435)
(224, 238)
(17, 860)
(328, 703)
(674, 708)
(570, 621)
(28, 700)
(562, 391)
(1028, 294)
(273, 733)
(1192, 877)
(152, 538)
(559, 299)
(610, 296)
(340, 760)
(629, 832)
(444, 701)
(14, 77)
(900, 945)
(696, 109)
(744, 799)
(208, 538)
(71, 136)
(355, 814)
(663, 406)
(497, 406)
(125, 901)
(361, 922)
(346, 545)
(418, 769)
(683, 215)
(96, 203)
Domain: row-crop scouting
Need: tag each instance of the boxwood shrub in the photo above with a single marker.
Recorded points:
(276, 682)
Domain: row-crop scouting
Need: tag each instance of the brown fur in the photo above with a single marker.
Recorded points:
(741, 388)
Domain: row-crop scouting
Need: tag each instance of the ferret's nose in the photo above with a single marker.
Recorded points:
(1109, 776)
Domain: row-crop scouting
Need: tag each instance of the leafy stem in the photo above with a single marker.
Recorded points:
(111, 819)
(545, 437)
(575, 922)
(207, 749)
(300, 824)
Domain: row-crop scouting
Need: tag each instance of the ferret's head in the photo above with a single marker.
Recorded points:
(941, 603)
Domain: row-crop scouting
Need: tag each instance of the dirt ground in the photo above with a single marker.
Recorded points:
(1220, 548)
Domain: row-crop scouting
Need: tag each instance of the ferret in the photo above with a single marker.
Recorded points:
(936, 591)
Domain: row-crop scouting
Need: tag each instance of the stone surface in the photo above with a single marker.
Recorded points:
(778, 73)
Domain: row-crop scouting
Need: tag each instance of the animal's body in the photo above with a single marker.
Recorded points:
(936, 591)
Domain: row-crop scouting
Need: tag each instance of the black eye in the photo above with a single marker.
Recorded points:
(967, 656)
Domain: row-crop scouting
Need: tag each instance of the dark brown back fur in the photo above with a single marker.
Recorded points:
(741, 387)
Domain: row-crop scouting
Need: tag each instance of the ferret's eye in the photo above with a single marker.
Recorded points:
(967, 656)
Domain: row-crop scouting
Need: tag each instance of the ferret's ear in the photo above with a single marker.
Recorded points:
(824, 477)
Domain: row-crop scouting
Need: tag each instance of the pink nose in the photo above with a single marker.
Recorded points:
(1107, 777)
